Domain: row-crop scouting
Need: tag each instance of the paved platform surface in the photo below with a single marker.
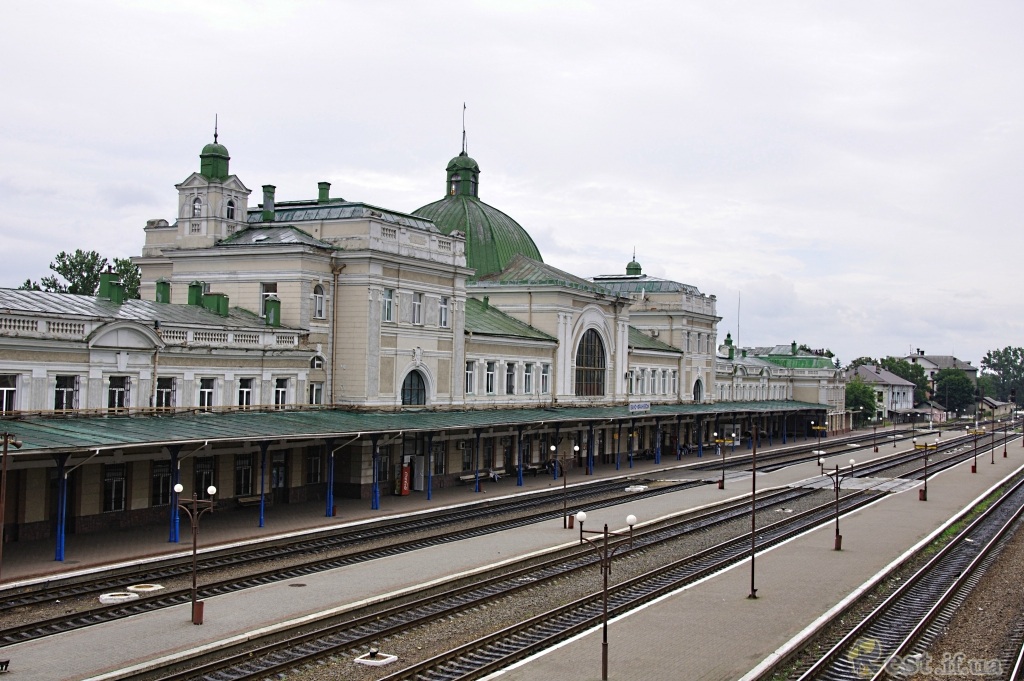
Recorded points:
(710, 631)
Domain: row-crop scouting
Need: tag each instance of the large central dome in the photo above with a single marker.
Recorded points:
(492, 238)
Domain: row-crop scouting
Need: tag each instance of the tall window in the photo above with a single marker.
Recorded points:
(675, 382)
(243, 474)
(281, 393)
(197, 207)
(545, 378)
(440, 456)
(314, 469)
(161, 487)
(203, 476)
(470, 378)
(387, 312)
(117, 393)
(442, 312)
(319, 309)
(488, 453)
(417, 308)
(510, 378)
(65, 394)
(590, 366)
(245, 392)
(316, 393)
(490, 378)
(266, 290)
(414, 390)
(528, 379)
(231, 209)
(206, 392)
(113, 487)
(165, 392)
(641, 381)
(664, 382)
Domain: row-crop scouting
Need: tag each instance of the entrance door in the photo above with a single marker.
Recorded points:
(279, 477)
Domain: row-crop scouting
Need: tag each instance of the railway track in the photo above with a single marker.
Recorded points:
(891, 638)
(493, 651)
(385, 540)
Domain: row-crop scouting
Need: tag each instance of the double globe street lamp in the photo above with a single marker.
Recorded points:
(837, 477)
(605, 554)
(923, 493)
(195, 508)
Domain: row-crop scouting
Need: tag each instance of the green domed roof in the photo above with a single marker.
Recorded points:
(493, 239)
(213, 161)
(214, 149)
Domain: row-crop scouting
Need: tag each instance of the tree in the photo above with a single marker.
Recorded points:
(80, 274)
(860, 398)
(862, 361)
(909, 372)
(954, 390)
(1007, 367)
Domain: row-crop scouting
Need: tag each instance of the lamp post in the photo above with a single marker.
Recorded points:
(556, 462)
(993, 440)
(874, 432)
(733, 437)
(9, 439)
(753, 515)
(1006, 434)
(818, 428)
(195, 509)
(605, 555)
(975, 433)
(837, 480)
(923, 493)
(721, 450)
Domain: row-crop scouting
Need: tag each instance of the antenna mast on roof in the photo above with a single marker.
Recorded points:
(463, 127)
(214, 128)
(738, 294)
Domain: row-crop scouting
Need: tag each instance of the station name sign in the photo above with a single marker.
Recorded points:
(638, 407)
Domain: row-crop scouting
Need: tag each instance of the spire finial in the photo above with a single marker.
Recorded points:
(214, 128)
(463, 128)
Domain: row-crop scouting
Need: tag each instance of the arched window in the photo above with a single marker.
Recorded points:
(590, 364)
(231, 209)
(698, 392)
(317, 362)
(197, 207)
(454, 189)
(414, 390)
(319, 310)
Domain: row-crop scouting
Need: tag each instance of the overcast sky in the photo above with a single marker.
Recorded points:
(846, 175)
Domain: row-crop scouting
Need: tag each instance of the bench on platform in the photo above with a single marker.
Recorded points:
(469, 477)
(533, 468)
(4, 664)
(254, 500)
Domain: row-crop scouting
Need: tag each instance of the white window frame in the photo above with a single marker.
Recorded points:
(417, 308)
(280, 393)
(545, 379)
(470, 385)
(206, 395)
(510, 378)
(489, 380)
(316, 392)
(387, 310)
(245, 390)
(9, 394)
(442, 312)
(319, 307)
(528, 379)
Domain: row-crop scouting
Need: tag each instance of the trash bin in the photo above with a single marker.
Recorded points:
(572, 519)
(197, 613)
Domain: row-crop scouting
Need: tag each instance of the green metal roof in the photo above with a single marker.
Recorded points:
(482, 319)
(641, 341)
(492, 237)
(523, 271)
(57, 435)
(637, 283)
(299, 211)
(143, 311)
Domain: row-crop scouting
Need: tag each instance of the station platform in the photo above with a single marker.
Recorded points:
(708, 631)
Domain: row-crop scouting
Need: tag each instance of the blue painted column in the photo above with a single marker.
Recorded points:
(618, 447)
(375, 491)
(329, 459)
(519, 456)
(700, 438)
(657, 441)
(264, 445)
(783, 429)
(590, 450)
(554, 454)
(174, 535)
(429, 458)
(476, 457)
(632, 423)
(62, 504)
(679, 438)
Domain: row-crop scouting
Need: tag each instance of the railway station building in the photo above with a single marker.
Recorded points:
(294, 350)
